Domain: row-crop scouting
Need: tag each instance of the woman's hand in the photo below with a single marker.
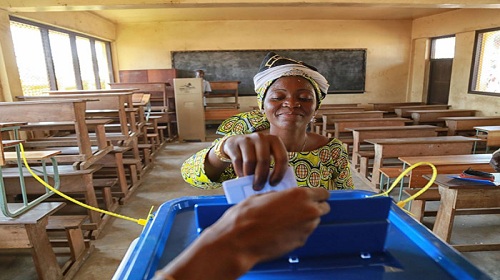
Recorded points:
(251, 154)
(260, 228)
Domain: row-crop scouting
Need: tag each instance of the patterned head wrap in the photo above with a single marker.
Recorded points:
(274, 67)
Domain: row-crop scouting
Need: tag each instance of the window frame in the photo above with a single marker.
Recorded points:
(473, 78)
(44, 31)
(434, 39)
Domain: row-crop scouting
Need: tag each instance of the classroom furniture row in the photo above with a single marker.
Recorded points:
(221, 103)
(378, 153)
(103, 143)
(32, 225)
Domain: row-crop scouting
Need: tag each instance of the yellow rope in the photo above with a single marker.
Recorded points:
(402, 203)
(141, 222)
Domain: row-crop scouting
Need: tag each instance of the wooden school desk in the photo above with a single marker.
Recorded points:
(341, 125)
(434, 116)
(457, 124)
(389, 106)
(458, 194)
(416, 146)
(28, 231)
(445, 164)
(318, 124)
(377, 132)
(403, 111)
(491, 133)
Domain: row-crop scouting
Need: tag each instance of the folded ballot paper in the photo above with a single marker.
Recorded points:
(240, 188)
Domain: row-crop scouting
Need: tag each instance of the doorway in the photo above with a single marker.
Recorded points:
(442, 53)
(439, 81)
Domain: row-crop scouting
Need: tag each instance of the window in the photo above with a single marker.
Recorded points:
(443, 48)
(485, 73)
(50, 58)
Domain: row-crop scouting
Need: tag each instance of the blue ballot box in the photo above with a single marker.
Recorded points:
(362, 237)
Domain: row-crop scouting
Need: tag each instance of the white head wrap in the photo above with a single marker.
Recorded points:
(276, 72)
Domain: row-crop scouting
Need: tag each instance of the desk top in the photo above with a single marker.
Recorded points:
(371, 119)
(423, 106)
(352, 113)
(448, 159)
(35, 214)
(139, 83)
(418, 140)
(46, 125)
(444, 180)
(470, 118)
(97, 91)
(441, 111)
(10, 124)
(378, 128)
(487, 128)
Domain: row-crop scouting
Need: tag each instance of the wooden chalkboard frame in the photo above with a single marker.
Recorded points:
(345, 69)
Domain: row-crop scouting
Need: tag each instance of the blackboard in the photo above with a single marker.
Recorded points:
(343, 68)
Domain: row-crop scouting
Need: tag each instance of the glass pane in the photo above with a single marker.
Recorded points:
(63, 60)
(30, 58)
(86, 65)
(443, 48)
(102, 62)
(488, 78)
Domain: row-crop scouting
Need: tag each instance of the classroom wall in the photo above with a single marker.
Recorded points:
(397, 51)
(148, 45)
(463, 23)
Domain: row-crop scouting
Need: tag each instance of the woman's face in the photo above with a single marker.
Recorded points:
(290, 102)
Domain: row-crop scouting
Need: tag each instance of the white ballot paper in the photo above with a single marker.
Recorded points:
(240, 188)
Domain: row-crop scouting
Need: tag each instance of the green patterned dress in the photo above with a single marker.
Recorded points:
(326, 167)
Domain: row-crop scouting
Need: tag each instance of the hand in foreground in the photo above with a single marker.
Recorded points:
(259, 228)
(495, 161)
(252, 153)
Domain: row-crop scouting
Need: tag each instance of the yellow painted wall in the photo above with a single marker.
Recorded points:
(463, 23)
(81, 22)
(143, 46)
(397, 51)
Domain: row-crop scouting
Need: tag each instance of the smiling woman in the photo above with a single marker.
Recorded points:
(265, 142)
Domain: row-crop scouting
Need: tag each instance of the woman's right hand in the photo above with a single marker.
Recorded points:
(251, 154)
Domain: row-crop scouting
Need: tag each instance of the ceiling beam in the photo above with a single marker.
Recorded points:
(95, 5)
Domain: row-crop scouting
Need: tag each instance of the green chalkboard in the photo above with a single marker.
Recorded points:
(343, 68)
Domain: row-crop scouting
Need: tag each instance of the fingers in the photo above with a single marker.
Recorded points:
(280, 162)
(251, 155)
(319, 194)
